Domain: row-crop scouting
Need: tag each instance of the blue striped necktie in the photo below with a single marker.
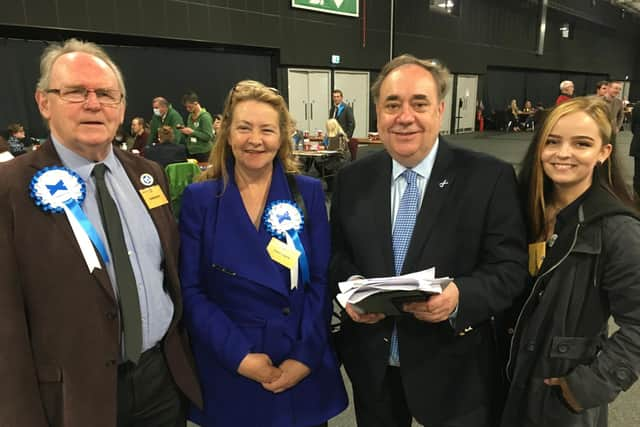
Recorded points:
(402, 232)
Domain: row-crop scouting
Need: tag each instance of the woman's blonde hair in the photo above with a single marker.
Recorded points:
(249, 90)
(334, 128)
(536, 187)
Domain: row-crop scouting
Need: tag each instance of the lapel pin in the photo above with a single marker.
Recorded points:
(443, 183)
(146, 179)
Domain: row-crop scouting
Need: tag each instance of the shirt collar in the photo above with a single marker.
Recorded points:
(423, 168)
(79, 164)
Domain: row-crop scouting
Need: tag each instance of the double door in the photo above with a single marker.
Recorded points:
(309, 98)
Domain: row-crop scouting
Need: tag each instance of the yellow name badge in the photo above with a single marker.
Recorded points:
(537, 252)
(283, 254)
(154, 196)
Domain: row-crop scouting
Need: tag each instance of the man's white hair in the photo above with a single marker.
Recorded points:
(565, 83)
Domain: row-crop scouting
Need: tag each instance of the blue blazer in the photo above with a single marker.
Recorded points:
(238, 301)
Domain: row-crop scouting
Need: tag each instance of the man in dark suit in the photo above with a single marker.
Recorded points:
(89, 239)
(436, 363)
(165, 151)
(342, 113)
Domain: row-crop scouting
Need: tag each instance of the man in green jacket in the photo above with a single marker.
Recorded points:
(165, 115)
(199, 130)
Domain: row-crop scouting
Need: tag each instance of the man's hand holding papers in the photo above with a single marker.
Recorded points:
(438, 308)
(369, 300)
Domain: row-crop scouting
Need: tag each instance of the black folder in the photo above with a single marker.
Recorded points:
(391, 302)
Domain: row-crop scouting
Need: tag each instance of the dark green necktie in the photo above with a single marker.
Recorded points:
(125, 279)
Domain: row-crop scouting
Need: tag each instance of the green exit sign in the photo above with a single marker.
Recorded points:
(339, 7)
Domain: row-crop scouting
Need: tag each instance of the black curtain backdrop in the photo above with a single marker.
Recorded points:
(148, 72)
(503, 85)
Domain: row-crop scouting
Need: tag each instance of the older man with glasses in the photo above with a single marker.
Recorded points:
(90, 298)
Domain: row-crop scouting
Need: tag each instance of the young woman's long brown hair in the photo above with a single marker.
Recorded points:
(536, 187)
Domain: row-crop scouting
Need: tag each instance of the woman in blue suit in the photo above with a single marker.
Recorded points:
(254, 257)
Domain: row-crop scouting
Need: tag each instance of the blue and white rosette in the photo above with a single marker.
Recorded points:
(57, 189)
(283, 219)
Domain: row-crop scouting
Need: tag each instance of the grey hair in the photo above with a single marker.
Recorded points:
(438, 71)
(56, 50)
(565, 83)
(161, 100)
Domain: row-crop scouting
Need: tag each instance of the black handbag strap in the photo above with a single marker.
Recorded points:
(297, 197)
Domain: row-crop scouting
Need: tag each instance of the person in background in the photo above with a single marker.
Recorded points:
(602, 88)
(258, 322)
(199, 131)
(5, 154)
(164, 115)
(423, 203)
(564, 368)
(634, 149)
(335, 139)
(615, 105)
(140, 135)
(16, 139)
(92, 331)
(342, 113)
(566, 91)
(513, 115)
(120, 139)
(165, 151)
(217, 120)
(530, 111)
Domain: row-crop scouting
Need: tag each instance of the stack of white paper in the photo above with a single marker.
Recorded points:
(413, 286)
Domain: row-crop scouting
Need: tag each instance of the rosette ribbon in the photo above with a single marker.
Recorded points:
(57, 189)
(283, 219)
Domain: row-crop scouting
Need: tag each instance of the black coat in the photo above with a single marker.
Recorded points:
(589, 273)
(468, 228)
(166, 153)
(634, 149)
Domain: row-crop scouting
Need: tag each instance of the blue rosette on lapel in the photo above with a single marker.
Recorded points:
(57, 189)
(284, 220)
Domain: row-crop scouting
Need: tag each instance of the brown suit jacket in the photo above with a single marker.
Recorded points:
(59, 325)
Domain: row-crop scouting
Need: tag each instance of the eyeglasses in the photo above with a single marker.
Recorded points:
(81, 94)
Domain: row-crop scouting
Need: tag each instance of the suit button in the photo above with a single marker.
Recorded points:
(531, 346)
(563, 348)
(111, 315)
(622, 374)
(286, 311)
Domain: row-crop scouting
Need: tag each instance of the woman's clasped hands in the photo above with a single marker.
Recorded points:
(260, 368)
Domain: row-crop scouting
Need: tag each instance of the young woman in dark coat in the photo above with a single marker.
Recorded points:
(584, 254)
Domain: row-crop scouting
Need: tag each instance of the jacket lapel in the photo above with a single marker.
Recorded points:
(47, 156)
(235, 234)
(380, 197)
(439, 187)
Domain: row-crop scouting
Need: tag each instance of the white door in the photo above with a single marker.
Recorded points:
(355, 89)
(319, 99)
(445, 126)
(465, 103)
(298, 98)
(309, 97)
